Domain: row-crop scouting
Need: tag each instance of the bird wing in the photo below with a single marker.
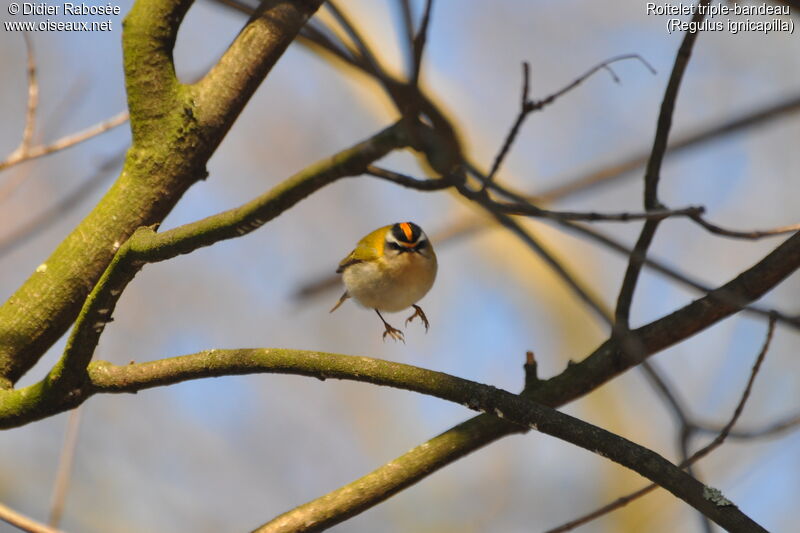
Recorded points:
(347, 261)
(367, 249)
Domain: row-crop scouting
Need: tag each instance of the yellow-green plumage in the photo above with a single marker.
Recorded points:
(369, 248)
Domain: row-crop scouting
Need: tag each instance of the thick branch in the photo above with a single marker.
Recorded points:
(106, 377)
(175, 131)
(149, 32)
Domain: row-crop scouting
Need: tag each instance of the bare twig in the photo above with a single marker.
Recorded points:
(528, 106)
(33, 96)
(723, 434)
(418, 44)
(365, 53)
(523, 207)
(408, 31)
(22, 522)
(696, 456)
(752, 235)
(512, 134)
(30, 119)
(652, 175)
(789, 423)
(64, 142)
(411, 182)
(528, 209)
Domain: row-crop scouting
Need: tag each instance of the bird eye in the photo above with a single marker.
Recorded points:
(421, 245)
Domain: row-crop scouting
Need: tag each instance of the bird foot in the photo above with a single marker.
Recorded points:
(394, 333)
(418, 312)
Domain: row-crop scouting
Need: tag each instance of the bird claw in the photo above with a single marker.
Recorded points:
(394, 333)
(418, 312)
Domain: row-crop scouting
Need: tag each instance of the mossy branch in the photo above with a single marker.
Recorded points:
(176, 129)
(154, 92)
(20, 406)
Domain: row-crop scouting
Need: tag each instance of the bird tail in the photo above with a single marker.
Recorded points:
(344, 297)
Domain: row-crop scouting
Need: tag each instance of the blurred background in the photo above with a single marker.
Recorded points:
(229, 454)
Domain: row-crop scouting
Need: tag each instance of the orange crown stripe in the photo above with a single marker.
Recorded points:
(406, 227)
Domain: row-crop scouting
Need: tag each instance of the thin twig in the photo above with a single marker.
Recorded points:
(696, 456)
(365, 53)
(20, 521)
(789, 423)
(408, 31)
(752, 235)
(64, 142)
(30, 120)
(418, 44)
(512, 134)
(528, 106)
(316, 33)
(652, 174)
(411, 182)
(593, 216)
(33, 96)
(711, 446)
(64, 472)
(525, 208)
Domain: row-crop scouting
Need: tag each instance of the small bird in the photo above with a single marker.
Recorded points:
(390, 269)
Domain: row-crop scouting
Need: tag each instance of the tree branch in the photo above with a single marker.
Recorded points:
(64, 142)
(653, 174)
(36, 401)
(18, 520)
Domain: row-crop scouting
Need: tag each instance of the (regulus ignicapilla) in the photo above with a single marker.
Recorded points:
(389, 270)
